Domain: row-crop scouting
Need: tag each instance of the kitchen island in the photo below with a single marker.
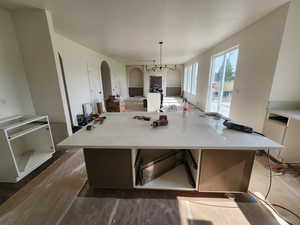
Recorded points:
(223, 157)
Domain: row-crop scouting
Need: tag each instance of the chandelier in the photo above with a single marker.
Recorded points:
(159, 67)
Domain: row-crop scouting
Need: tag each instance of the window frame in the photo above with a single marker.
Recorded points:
(191, 78)
(211, 75)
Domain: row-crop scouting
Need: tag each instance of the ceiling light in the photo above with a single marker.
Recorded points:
(160, 67)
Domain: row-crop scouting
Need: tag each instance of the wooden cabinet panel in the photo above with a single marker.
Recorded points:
(109, 168)
(225, 170)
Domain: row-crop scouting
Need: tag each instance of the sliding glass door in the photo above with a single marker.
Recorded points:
(222, 81)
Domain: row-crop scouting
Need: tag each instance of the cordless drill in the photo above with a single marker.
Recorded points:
(162, 121)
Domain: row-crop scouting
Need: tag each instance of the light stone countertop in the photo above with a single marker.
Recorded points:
(194, 131)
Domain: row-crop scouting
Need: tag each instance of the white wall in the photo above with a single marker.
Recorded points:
(169, 78)
(14, 91)
(259, 48)
(174, 78)
(287, 76)
(83, 75)
(35, 33)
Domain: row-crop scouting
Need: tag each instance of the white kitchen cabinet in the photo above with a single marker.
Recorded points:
(26, 143)
(283, 126)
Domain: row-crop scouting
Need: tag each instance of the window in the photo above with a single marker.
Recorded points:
(190, 78)
(194, 79)
(222, 79)
(185, 80)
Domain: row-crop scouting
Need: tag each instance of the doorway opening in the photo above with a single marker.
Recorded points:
(221, 87)
(106, 80)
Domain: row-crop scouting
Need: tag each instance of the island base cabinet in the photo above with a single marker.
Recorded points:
(109, 168)
(226, 171)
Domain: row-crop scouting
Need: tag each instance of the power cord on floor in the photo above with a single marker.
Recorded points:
(270, 175)
(271, 205)
(288, 210)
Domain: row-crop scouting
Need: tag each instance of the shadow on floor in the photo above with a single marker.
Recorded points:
(87, 191)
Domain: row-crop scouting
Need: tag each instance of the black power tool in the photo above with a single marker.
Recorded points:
(235, 126)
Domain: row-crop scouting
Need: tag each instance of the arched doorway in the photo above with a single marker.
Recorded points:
(106, 80)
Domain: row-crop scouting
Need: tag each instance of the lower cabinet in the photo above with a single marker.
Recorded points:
(109, 168)
(284, 130)
(275, 130)
(225, 170)
(214, 170)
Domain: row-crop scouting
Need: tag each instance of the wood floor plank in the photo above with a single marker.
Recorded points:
(112, 211)
(147, 212)
(202, 211)
(230, 212)
(46, 198)
(90, 211)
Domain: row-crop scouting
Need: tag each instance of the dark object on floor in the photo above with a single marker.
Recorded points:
(145, 103)
(142, 118)
(82, 120)
(75, 129)
(162, 121)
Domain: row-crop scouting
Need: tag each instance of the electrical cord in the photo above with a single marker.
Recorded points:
(288, 210)
(270, 175)
(255, 132)
(271, 205)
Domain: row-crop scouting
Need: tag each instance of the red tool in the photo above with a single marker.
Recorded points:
(100, 120)
(162, 121)
(90, 127)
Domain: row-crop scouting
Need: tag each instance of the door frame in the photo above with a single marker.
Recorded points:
(102, 84)
(225, 52)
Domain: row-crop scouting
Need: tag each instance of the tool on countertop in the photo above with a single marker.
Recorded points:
(162, 121)
(90, 127)
(142, 118)
(100, 119)
(239, 127)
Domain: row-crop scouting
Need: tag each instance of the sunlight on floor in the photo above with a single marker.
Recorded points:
(169, 101)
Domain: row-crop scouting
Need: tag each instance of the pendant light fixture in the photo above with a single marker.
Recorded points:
(160, 66)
